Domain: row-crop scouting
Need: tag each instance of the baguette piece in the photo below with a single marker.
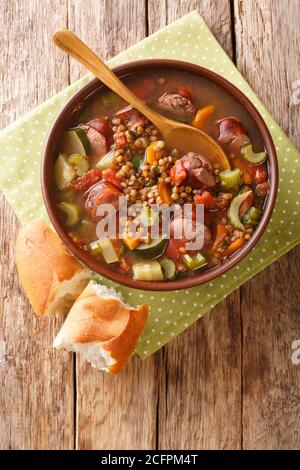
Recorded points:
(102, 328)
(51, 277)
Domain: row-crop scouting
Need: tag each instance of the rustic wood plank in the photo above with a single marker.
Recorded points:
(113, 412)
(200, 394)
(267, 44)
(36, 383)
(215, 13)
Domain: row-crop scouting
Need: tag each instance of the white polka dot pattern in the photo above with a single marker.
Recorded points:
(187, 39)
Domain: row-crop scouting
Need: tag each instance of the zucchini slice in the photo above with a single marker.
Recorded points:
(253, 216)
(72, 212)
(152, 250)
(64, 172)
(169, 268)
(148, 271)
(75, 141)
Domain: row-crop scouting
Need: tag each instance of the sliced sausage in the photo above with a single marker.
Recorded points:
(186, 230)
(132, 117)
(228, 128)
(97, 140)
(194, 170)
(177, 106)
(100, 125)
(101, 193)
(237, 144)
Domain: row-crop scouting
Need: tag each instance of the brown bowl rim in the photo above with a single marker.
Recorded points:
(184, 283)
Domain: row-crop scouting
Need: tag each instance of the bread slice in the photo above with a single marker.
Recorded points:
(51, 277)
(102, 328)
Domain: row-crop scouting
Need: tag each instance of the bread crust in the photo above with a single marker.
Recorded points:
(107, 321)
(43, 264)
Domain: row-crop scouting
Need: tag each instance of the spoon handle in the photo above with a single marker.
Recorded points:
(72, 45)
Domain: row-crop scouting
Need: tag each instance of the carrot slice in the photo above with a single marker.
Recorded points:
(221, 234)
(234, 246)
(203, 115)
(165, 192)
(132, 243)
(150, 153)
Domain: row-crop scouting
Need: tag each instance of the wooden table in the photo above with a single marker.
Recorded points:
(226, 383)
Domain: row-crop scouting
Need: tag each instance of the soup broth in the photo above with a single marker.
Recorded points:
(109, 150)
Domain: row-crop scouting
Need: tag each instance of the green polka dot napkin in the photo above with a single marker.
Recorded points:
(187, 39)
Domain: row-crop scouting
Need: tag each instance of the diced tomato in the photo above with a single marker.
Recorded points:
(172, 250)
(207, 216)
(110, 175)
(100, 193)
(120, 141)
(178, 173)
(149, 84)
(144, 89)
(100, 125)
(258, 174)
(140, 92)
(206, 199)
(185, 92)
(87, 180)
(262, 189)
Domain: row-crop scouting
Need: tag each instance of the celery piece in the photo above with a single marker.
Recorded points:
(95, 249)
(230, 179)
(234, 209)
(252, 157)
(196, 261)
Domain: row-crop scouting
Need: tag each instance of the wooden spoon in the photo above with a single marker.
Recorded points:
(177, 135)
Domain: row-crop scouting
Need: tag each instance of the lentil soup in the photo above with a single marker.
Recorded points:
(110, 150)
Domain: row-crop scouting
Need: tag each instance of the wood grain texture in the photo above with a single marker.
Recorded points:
(267, 44)
(216, 14)
(201, 370)
(113, 412)
(36, 383)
